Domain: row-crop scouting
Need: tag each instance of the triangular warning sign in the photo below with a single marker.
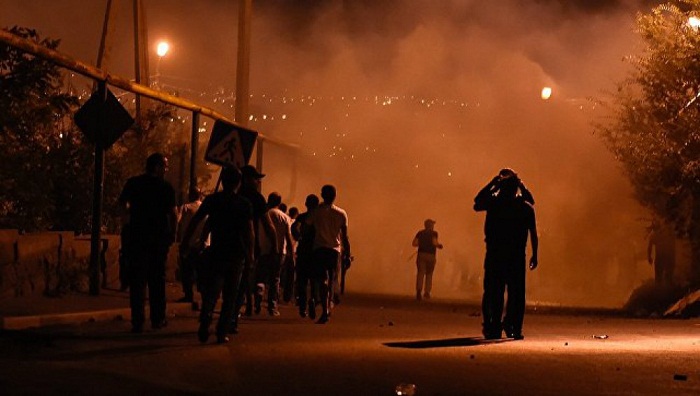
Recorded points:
(230, 145)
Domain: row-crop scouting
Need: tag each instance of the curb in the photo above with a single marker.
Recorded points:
(27, 322)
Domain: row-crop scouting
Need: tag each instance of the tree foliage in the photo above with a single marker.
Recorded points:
(654, 127)
(47, 166)
(43, 154)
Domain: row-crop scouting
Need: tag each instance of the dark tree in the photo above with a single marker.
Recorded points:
(44, 162)
(654, 124)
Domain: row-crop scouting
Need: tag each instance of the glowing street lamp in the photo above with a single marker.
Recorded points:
(694, 22)
(546, 93)
(161, 50)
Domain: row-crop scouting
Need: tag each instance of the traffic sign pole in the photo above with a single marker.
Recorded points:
(194, 146)
(98, 185)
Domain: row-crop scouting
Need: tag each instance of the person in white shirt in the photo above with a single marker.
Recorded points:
(271, 257)
(196, 245)
(330, 223)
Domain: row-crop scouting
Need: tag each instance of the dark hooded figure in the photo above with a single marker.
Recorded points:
(509, 218)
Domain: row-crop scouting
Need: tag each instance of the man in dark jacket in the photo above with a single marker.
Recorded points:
(230, 221)
(509, 219)
(149, 201)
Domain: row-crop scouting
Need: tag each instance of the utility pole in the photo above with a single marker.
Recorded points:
(107, 29)
(140, 53)
(245, 11)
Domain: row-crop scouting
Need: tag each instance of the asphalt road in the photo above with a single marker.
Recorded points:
(370, 346)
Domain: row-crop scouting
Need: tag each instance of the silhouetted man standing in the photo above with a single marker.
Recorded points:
(152, 218)
(509, 219)
(230, 221)
(662, 241)
(330, 240)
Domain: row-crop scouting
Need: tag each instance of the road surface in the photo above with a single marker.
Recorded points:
(371, 345)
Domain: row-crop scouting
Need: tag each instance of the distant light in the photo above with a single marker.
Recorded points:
(546, 93)
(162, 48)
(694, 22)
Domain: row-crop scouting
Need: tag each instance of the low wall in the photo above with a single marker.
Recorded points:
(52, 263)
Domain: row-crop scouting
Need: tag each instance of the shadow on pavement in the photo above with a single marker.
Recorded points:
(444, 343)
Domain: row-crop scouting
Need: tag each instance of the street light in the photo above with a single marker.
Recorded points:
(161, 50)
(694, 22)
(546, 93)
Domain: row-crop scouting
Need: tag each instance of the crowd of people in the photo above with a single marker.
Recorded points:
(233, 244)
(246, 249)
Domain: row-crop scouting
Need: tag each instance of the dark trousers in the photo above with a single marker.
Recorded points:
(663, 273)
(503, 270)
(268, 276)
(304, 280)
(287, 277)
(222, 278)
(147, 270)
(187, 273)
(325, 267)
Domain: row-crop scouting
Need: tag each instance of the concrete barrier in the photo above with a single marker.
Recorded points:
(52, 263)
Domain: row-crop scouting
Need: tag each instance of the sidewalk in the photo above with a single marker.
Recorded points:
(18, 313)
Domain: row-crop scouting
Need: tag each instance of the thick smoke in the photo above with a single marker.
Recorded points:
(409, 108)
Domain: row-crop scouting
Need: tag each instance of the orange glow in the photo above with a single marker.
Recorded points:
(546, 93)
(162, 48)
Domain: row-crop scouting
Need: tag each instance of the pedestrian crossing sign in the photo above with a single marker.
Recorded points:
(230, 145)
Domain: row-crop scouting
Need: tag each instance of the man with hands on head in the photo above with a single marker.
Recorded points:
(510, 217)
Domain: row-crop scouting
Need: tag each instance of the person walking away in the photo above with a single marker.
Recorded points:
(148, 201)
(662, 241)
(187, 263)
(230, 221)
(288, 275)
(426, 240)
(509, 219)
(250, 189)
(303, 233)
(272, 257)
(330, 223)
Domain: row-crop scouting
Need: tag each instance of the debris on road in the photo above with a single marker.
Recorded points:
(680, 377)
(406, 389)
(600, 337)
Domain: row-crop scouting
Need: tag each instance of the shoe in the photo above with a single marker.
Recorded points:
(159, 325)
(203, 333)
(323, 319)
(312, 310)
(515, 336)
(273, 312)
(222, 339)
(418, 296)
(137, 329)
(492, 335)
(426, 296)
(302, 312)
(248, 310)
(336, 300)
